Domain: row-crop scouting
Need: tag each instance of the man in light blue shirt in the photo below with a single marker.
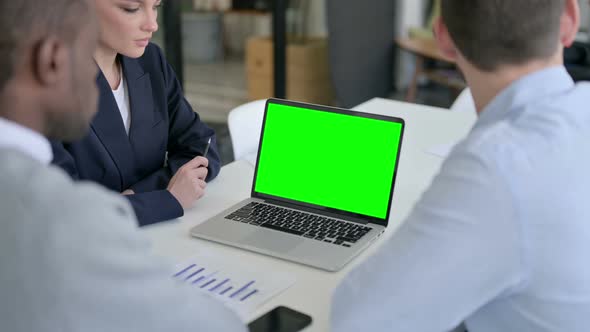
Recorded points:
(500, 239)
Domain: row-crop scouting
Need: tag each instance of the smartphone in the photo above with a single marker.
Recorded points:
(280, 319)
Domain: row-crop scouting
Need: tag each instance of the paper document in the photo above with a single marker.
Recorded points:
(240, 287)
(442, 150)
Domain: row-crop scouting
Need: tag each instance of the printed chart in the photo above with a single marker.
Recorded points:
(240, 287)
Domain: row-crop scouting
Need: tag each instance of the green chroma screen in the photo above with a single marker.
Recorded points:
(328, 159)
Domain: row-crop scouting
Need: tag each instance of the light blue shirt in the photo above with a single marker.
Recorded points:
(501, 240)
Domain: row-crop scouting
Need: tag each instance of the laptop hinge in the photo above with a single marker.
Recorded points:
(316, 211)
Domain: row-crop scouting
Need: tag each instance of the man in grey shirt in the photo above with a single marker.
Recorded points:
(71, 258)
(501, 238)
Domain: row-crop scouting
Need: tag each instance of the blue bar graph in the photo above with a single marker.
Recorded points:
(242, 289)
(222, 286)
(208, 283)
(226, 290)
(183, 271)
(219, 285)
(248, 295)
(194, 273)
(204, 277)
(198, 279)
(236, 284)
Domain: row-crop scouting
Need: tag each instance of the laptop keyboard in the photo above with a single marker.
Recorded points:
(311, 226)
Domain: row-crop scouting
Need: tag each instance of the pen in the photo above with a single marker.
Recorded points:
(207, 148)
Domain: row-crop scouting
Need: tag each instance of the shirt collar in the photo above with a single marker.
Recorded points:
(543, 83)
(30, 142)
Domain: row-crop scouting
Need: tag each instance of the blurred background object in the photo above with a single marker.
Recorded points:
(339, 52)
(360, 38)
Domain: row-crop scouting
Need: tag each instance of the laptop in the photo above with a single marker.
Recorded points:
(322, 188)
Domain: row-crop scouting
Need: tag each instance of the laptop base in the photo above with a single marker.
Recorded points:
(299, 249)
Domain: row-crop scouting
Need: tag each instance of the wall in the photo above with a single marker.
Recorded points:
(411, 13)
(317, 18)
(584, 16)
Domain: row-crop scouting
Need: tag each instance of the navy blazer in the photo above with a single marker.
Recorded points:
(165, 133)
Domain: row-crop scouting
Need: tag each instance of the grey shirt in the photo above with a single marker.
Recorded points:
(71, 259)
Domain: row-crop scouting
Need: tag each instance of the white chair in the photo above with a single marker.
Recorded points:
(245, 123)
(464, 103)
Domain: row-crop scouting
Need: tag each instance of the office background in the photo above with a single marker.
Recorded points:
(332, 56)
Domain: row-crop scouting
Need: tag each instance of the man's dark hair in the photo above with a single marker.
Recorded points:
(25, 22)
(492, 33)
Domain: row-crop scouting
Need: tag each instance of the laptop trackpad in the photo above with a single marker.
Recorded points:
(272, 240)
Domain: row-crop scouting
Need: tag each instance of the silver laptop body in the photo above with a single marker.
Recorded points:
(299, 231)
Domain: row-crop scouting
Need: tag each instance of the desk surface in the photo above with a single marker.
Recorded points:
(311, 294)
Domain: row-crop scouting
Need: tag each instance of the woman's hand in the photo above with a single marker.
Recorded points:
(188, 184)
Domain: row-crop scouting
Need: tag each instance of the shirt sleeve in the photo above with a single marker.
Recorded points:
(459, 249)
(155, 206)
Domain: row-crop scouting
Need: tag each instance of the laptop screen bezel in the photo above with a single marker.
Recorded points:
(318, 208)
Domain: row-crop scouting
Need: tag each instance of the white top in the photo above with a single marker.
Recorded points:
(121, 95)
(500, 238)
(17, 137)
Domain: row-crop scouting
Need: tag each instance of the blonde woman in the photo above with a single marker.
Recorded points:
(142, 118)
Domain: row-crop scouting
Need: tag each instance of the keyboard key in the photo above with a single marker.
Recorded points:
(346, 239)
(286, 230)
(311, 226)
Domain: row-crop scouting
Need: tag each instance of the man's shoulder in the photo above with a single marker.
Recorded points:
(50, 191)
(519, 142)
(488, 143)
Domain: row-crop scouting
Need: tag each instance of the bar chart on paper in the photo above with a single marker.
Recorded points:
(239, 287)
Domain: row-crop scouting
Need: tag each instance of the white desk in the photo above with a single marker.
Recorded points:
(425, 127)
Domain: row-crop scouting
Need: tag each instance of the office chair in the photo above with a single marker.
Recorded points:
(245, 123)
